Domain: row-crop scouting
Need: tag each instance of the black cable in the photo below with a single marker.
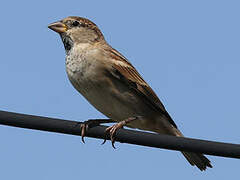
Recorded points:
(123, 135)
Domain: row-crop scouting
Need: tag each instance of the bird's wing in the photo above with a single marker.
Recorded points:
(123, 70)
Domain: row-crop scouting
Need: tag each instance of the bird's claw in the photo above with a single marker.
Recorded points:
(89, 124)
(112, 132)
(84, 127)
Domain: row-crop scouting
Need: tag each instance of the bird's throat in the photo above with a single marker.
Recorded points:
(67, 42)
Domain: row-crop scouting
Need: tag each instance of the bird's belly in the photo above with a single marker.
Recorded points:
(109, 102)
(115, 103)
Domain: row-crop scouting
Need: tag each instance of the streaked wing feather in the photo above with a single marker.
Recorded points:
(127, 73)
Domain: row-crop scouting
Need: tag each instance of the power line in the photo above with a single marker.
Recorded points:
(123, 135)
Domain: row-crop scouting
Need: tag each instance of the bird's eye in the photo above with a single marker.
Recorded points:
(75, 23)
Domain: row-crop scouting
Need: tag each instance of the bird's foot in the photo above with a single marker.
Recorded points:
(112, 131)
(114, 128)
(91, 123)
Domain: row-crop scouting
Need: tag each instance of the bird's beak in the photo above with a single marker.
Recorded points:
(58, 27)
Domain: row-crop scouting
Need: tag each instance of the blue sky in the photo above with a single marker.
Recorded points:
(188, 51)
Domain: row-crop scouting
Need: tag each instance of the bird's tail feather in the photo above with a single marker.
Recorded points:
(195, 159)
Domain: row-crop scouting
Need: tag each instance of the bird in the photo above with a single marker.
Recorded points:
(113, 85)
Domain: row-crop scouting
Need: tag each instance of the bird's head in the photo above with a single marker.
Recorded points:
(76, 30)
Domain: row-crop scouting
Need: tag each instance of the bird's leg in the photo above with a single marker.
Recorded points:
(92, 123)
(113, 129)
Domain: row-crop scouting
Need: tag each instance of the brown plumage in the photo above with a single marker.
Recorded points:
(112, 85)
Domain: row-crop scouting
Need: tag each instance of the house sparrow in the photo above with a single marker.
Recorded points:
(112, 85)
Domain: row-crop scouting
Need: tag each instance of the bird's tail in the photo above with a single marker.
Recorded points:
(195, 159)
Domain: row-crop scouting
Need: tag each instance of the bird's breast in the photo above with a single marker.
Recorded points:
(81, 64)
(87, 75)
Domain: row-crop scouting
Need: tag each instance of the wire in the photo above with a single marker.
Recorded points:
(123, 135)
